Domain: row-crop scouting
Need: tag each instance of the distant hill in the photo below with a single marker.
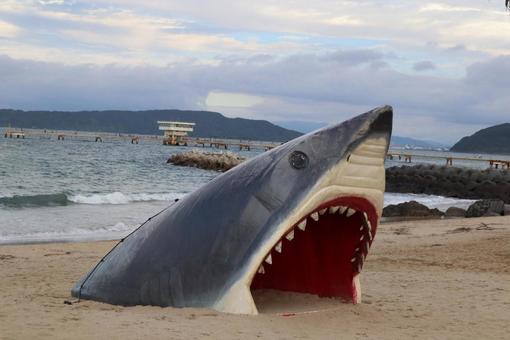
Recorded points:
(209, 124)
(495, 139)
(397, 141)
(301, 125)
(403, 141)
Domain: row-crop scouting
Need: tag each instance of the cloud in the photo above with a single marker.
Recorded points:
(440, 63)
(438, 7)
(152, 32)
(8, 30)
(424, 65)
(325, 87)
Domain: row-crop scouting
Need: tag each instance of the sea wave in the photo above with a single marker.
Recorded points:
(431, 201)
(115, 231)
(63, 199)
(120, 198)
(44, 200)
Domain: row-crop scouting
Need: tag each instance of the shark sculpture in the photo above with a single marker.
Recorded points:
(300, 218)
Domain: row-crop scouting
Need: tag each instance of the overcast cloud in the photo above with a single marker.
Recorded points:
(443, 65)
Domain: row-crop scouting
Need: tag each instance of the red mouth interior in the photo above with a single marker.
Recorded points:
(324, 258)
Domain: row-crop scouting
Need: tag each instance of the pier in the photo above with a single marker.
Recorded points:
(66, 135)
(407, 157)
(240, 144)
(14, 134)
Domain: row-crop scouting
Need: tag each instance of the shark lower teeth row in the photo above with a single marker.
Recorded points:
(365, 239)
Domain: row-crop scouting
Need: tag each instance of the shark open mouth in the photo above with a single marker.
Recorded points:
(323, 253)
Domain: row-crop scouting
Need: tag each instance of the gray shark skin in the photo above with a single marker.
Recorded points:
(204, 250)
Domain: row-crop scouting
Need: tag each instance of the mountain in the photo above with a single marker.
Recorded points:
(301, 125)
(403, 141)
(494, 139)
(208, 124)
(396, 141)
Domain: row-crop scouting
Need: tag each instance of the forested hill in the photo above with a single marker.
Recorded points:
(209, 124)
(495, 139)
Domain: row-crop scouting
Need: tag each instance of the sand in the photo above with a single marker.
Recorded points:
(442, 279)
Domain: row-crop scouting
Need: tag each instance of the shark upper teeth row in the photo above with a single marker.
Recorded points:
(333, 209)
(315, 216)
(302, 224)
(360, 252)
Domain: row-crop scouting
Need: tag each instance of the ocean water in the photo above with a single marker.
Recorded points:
(77, 190)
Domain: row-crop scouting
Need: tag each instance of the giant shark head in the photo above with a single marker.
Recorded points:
(301, 218)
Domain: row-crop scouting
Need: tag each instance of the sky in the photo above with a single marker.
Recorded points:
(443, 65)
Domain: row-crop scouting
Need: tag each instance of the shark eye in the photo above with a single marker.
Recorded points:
(298, 160)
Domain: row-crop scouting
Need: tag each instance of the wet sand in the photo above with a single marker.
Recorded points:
(446, 279)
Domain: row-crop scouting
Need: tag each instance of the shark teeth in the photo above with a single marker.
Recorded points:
(366, 227)
(365, 247)
(315, 216)
(302, 225)
(333, 210)
(361, 250)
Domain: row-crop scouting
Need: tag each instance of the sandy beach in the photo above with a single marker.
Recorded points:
(436, 279)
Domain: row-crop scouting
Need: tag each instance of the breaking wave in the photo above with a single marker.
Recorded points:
(112, 232)
(120, 198)
(431, 201)
(63, 199)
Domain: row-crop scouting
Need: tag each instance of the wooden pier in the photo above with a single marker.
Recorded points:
(220, 143)
(407, 157)
(14, 134)
(65, 135)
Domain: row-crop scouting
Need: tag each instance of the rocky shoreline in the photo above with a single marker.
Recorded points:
(416, 211)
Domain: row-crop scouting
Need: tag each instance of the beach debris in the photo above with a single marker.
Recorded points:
(70, 302)
(459, 230)
(404, 230)
(484, 226)
(4, 257)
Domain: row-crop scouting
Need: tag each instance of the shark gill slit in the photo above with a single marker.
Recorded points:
(323, 255)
